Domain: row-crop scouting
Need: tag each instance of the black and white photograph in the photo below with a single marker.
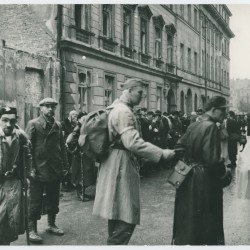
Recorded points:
(124, 124)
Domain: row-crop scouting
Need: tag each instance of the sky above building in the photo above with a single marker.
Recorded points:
(240, 44)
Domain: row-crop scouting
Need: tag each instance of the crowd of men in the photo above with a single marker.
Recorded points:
(147, 140)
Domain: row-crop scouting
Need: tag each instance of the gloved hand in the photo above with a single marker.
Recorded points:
(168, 154)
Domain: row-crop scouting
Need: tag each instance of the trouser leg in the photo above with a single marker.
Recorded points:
(120, 232)
(53, 194)
(36, 195)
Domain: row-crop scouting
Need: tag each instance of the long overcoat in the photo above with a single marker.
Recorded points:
(117, 192)
(11, 196)
(83, 167)
(48, 149)
(198, 214)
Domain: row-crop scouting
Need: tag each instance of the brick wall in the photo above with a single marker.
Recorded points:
(29, 27)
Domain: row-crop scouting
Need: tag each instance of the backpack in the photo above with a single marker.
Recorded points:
(94, 134)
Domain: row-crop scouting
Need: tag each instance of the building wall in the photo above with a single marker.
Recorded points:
(25, 79)
(29, 28)
(100, 61)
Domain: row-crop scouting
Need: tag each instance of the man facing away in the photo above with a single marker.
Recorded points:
(50, 164)
(12, 175)
(117, 193)
(198, 214)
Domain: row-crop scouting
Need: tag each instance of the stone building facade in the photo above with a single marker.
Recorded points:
(181, 52)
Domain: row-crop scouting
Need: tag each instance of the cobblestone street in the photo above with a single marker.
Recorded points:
(157, 203)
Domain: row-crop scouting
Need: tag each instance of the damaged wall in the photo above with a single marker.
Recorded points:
(25, 79)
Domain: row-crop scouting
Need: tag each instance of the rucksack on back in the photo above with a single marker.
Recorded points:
(94, 134)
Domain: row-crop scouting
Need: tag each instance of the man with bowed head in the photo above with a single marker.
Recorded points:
(49, 165)
(117, 193)
(198, 214)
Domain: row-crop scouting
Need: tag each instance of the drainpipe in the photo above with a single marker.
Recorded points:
(60, 57)
(4, 71)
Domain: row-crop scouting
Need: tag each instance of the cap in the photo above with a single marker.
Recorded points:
(131, 83)
(158, 112)
(216, 102)
(47, 101)
(8, 110)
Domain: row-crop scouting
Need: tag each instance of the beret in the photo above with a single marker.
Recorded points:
(8, 110)
(47, 101)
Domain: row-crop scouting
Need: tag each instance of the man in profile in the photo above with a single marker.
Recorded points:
(117, 193)
(198, 214)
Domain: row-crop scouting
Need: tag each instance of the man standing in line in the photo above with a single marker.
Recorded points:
(198, 214)
(117, 193)
(68, 126)
(234, 134)
(50, 164)
(12, 141)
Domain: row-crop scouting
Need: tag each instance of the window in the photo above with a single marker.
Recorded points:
(109, 92)
(182, 58)
(189, 60)
(212, 68)
(158, 98)
(208, 66)
(195, 19)
(189, 13)
(83, 90)
(182, 10)
(127, 19)
(144, 101)
(215, 69)
(78, 15)
(107, 20)
(227, 79)
(195, 102)
(222, 77)
(82, 16)
(144, 36)
(170, 44)
(203, 63)
(157, 42)
(195, 63)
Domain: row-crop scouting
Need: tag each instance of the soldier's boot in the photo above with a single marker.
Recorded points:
(52, 228)
(33, 235)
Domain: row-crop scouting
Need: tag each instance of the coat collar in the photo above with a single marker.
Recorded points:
(206, 117)
(43, 121)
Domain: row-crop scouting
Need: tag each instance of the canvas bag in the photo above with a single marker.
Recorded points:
(94, 134)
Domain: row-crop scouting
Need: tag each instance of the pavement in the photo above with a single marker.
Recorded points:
(157, 210)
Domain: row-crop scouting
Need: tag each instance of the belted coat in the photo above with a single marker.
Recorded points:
(48, 149)
(118, 183)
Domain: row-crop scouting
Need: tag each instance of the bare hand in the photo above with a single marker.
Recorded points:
(168, 154)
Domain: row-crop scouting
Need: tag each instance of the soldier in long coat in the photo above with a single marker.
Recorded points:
(49, 166)
(198, 215)
(117, 193)
(12, 141)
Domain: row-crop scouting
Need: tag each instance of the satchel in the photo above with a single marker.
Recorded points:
(181, 170)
